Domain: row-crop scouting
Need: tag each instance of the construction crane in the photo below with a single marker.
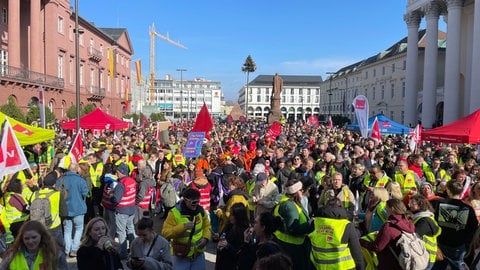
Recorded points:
(152, 57)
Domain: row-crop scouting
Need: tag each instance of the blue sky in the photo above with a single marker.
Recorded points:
(303, 37)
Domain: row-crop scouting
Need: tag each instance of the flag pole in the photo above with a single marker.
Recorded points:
(219, 142)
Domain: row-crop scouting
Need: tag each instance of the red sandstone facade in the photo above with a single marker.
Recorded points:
(37, 49)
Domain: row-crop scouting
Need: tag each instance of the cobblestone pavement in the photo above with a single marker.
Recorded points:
(210, 255)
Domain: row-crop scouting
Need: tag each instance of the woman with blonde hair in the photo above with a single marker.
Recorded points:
(376, 212)
(33, 248)
(97, 250)
(394, 190)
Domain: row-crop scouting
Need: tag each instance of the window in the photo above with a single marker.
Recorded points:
(300, 91)
(382, 93)
(402, 116)
(403, 89)
(70, 32)
(373, 93)
(70, 70)
(283, 99)
(3, 61)
(392, 90)
(366, 74)
(374, 73)
(309, 99)
(393, 67)
(404, 65)
(259, 97)
(60, 66)
(292, 99)
(309, 91)
(383, 71)
(316, 99)
(5, 15)
(60, 25)
(292, 91)
(92, 77)
(80, 39)
(259, 91)
(100, 79)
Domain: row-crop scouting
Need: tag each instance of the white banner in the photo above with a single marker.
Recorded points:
(360, 103)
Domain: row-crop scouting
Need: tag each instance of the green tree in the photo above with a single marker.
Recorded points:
(11, 109)
(157, 117)
(248, 66)
(33, 114)
(87, 109)
(72, 112)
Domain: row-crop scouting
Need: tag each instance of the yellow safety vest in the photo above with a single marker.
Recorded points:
(406, 182)
(96, 174)
(430, 241)
(19, 261)
(197, 235)
(284, 236)
(250, 185)
(11, 215)
(54, 199)
(370, 257)
(328, 251)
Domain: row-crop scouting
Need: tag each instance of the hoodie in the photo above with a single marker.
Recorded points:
(387, 237)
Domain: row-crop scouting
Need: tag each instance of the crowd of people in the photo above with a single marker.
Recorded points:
(309, 198)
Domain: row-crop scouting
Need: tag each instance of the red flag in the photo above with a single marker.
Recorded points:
(313, 121)
(12, 157)
(204, 122)
(329, 122)
(76, 151)
(274, 130)
(375, 134)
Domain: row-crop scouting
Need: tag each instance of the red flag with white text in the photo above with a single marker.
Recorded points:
(274, 130)
(12, 158)
(312, 120)
(76, 151)
(375, 134)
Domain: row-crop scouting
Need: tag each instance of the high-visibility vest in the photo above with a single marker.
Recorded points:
(430, 241)
(284, 236)
(19, 261)
(128, 198)
(197, 234)
(145, 203)
(250, 185)
(96, 171)
(179, 159)
(54, 199)
(371, 260)
(12, 215)
(328, 251)
(406, 182)
(379, 211)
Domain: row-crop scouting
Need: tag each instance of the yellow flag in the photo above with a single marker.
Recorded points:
(138, 68)
(111, 63)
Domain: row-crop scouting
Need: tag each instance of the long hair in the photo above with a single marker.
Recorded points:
(86, 238)
(396, 206)
(47, 245)
(422, 202)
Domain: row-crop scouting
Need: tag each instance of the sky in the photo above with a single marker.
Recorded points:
(303, 37)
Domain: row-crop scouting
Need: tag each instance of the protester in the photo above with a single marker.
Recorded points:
(149, 250)
(76, 194)
(97, 250)
(34, 248)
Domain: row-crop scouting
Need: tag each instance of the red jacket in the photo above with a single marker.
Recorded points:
(387, 236)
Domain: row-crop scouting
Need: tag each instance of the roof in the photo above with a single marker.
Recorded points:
(296, 80)
(397, 48)
(114, 33)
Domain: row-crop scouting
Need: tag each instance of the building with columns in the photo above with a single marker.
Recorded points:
(381, 78)
(300, 96)
(37, 51)
(462, 60)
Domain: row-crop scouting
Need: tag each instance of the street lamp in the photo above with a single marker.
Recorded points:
(330, 93)
(181, 91)
(77, 67)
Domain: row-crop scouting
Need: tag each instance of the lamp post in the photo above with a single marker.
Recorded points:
(181, 91)
(77, 67)
(330, 93)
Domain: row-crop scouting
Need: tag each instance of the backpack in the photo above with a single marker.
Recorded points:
(40, 209)
(413, 254)
(169, 195)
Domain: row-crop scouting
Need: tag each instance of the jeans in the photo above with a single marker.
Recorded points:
(187, 264)
(124, 224)
(453, 257)
(70, 223)
(109, 216)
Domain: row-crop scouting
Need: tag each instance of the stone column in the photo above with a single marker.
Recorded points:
(432, 12)
(411, 81)
(36, 50)
(451, 108)
(475, 75)
(14, 33)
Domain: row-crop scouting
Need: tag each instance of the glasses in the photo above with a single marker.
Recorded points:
(193, 202)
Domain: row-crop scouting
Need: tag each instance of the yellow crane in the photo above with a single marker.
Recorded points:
(166, 38)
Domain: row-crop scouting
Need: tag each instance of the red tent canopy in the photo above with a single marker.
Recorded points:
(97, 119)
(464, 130)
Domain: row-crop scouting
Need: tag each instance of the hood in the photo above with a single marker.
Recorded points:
(236, 192)
(402, 223)
(332, 212)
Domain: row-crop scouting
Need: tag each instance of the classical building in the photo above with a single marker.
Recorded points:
(381, 78)
(300, 96)
(37, 51)
(462, 59)
(183, 99)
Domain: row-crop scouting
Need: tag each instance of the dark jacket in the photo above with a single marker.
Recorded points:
(387, 237)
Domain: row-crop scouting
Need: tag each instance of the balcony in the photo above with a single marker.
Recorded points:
(94, 54)
(97, 93)
(26, 78)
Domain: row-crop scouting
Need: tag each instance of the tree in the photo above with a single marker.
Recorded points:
(33, 114)
(87, 109)
(11, 109)
(72, 112)
(248, 66)
(154, 117)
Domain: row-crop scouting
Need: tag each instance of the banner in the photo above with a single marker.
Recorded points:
(194, 144)
(360, 104)
(12, 158)
(111, 63)
(416, 137)
(138, 69)
(76, 152)
(312, 120)
(329, 122)
(375, 134)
